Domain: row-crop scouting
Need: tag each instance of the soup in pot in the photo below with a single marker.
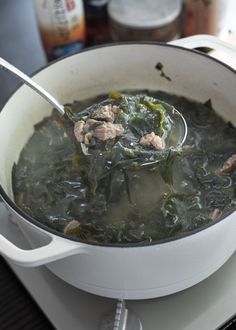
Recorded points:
(89, 180)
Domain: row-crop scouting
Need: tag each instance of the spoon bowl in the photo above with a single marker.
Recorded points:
(178, 133)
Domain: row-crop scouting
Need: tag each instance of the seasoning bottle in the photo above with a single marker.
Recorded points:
(97, 22)
(206, 17)
(157, 20)
(61, 25)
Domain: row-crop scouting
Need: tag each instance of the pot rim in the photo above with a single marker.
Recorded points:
(35, 222)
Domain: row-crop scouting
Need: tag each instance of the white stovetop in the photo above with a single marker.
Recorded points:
(205, 306)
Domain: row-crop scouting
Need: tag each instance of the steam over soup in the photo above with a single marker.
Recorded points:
(88, 180)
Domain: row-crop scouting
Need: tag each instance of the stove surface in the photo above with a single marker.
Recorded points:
(205, 306)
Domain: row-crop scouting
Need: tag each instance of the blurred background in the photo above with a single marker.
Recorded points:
(35, 32)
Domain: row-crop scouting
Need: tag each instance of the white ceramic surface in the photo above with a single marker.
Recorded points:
(120, 272)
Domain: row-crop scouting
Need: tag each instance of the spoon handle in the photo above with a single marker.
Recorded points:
(28, 81)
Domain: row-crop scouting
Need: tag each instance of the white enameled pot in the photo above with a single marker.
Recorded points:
(129, 272)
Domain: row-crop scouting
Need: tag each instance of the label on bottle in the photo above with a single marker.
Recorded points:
(62, 26)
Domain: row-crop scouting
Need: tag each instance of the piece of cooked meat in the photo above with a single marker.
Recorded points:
(107, 131)
(157, 143)
(216, 213)
(106, 113)
(153, 140)
(88, 137)
(229, 165)
(88, 124)
(78, 130)
(115, 109)
(71, 227)
(83, 130)
(102, 130)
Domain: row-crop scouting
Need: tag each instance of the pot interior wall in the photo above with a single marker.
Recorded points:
(101, 70)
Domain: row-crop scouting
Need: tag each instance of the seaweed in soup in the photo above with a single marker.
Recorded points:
(101, 193)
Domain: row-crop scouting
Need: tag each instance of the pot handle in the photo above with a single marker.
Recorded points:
(56, 249)
(205, 40)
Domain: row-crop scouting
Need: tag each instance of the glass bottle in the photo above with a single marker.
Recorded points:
(61, 25)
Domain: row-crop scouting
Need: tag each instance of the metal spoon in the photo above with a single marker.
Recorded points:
(9, 67)
(179, 130)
